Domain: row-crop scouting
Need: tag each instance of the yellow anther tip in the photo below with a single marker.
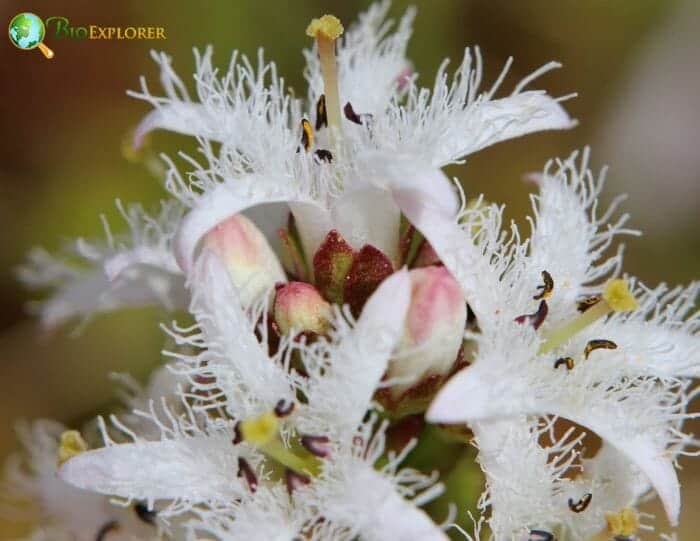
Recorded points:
(71, 444)
(260, 430)
(327, 26)
(619, 297)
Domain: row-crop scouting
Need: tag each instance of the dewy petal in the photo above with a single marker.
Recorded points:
(195, 469)
(341, 393)
(476, 395)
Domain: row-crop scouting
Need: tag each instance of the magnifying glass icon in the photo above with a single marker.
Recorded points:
(27, 31)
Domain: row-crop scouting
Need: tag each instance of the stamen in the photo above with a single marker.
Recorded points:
(536, 318)
(317, 445)
(616, 298)
(295, 480)
(326, 30)
(350, 114)
(144, 513)
(540, 535)
(283, 408)
(623, 524)
(598, 344)
(71, 444)
(321, 116)
(546, 288)
(111, 526)
(586, 303)
(324, 155)
(237, 436)
(245, 471)
(580, 505)
(566, 361)
(307, 135)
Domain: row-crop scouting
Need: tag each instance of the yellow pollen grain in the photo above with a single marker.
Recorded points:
(619, 297)
(623, 524)
(261, 430)
(327, 26)
(71, 444)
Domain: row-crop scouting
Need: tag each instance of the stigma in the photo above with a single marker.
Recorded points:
(617, 297)
(326, 30)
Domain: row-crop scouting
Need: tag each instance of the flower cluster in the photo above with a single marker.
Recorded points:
(341, 284)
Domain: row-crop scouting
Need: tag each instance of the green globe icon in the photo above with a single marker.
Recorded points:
(27, 31)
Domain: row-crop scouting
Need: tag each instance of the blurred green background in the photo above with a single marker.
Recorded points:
(633, 63)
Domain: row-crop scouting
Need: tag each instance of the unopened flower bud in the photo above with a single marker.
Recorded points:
(251, 264)
(300, 306)
(434, 329)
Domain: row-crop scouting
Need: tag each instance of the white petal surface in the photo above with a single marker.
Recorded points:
(199, 468)
(370, 505)
(341, 393)
(223, 202)
(474, 395)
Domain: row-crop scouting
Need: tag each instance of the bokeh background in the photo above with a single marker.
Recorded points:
(634, 64)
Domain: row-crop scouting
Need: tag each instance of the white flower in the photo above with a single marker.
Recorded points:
(334, 181)
(622, 376)
(134, 269)
(63, 511)
(263, 427)
(222, 465)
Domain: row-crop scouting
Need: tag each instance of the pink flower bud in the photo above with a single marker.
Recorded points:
(300, 306)
(434, 329)
(251, 264)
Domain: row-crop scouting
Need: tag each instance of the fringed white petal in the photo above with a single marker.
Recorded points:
(341, 388)
(268, 515)
(570, 235)
(369, 505)
(226, 348)
(245, 100)
(133, 269)
(430, 203)
(661, 337)
(185, 118)
(198, 469)
(454, 119)
(635, 420)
